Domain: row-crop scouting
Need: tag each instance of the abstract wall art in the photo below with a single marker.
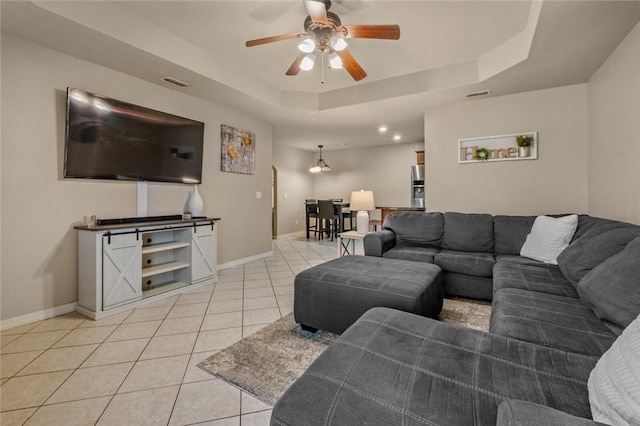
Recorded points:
(238, 150)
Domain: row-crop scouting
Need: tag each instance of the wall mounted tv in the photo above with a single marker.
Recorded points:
(110, 139)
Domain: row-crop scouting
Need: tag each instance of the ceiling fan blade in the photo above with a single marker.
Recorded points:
(272, 39)
(351, 65)
(317, 11)
(294, 69)
(387, 32)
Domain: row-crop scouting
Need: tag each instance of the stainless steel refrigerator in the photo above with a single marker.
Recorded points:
(417, 185)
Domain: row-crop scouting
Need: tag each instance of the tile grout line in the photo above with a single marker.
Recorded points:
(290, 252)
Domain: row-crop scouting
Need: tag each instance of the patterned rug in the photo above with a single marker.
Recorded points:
(266, 363)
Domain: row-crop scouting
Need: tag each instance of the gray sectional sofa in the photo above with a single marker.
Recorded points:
(550, 325)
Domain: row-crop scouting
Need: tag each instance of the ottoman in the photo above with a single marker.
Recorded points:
(333, 295)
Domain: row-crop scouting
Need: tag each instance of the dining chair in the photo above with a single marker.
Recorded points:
(311, 206)
(348, 216)
(328, 218)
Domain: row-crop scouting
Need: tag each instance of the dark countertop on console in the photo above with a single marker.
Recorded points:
(99, 228)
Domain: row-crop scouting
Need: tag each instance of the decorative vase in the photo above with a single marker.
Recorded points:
(195, 203)
(524, 151)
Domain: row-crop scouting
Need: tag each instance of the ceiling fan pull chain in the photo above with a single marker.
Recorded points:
(322, 54)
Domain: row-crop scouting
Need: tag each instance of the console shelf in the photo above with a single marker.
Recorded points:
(154, 248)
(163, 289)
(150, 271)
(120, 267)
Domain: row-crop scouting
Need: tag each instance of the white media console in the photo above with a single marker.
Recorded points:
(121, 266)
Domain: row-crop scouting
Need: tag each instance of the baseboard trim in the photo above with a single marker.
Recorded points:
(292, 234)
(38, 316)
(244, 260)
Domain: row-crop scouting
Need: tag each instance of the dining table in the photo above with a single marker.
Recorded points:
(310, 207)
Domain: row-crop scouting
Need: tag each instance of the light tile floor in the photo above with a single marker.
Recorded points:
(139, 367)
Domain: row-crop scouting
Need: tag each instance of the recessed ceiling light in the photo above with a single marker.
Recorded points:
(397, 138)
(382, 129)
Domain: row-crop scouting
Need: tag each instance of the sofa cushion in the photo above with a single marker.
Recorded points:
(468, 232)
(416, 254)
(463, 285)
(586, 223)
(545, 319)
(612, 289)
(468, 263)
(519, 260)
(614, 382)
(393, 368)
(523, 413)
(416, 228)
(526, 274)
(548, 237)
(594, 247)
(511, 232)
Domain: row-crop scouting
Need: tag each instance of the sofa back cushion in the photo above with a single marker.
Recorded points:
(468, 232)
(510, 232)
(612, 289)
(586, 223)
(594, 247)
(416, 228)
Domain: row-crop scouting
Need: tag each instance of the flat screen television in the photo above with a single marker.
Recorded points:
(110, 139)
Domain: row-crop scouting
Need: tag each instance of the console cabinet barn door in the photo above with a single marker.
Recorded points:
(121, 269)
(204, 252)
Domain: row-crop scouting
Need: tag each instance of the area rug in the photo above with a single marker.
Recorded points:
(266, 363)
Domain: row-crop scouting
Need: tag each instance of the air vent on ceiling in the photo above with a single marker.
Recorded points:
(175, 81)
(478, 93)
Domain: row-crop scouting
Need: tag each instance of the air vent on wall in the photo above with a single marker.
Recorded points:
(478, 93)
(175, 81)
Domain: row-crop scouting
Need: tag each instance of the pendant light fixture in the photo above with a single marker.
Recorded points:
(320, 165)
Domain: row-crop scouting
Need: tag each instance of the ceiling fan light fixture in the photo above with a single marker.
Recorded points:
(307, 46)
(338, 44)
(307, 62)
(335, 61)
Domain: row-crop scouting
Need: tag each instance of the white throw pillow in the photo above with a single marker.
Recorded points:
(614, 383)
(548, 237)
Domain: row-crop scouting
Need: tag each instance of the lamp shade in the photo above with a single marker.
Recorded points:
(335, 61)
(307, 62)
(307, 46)
(362, 200)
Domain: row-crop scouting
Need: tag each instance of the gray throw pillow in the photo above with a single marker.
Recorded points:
(593, 248)
(612, 289)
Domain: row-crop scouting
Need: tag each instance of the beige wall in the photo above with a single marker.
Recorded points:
(614, 134)
(39, 208)
(556, 182)
(384, 170)
(295, 184)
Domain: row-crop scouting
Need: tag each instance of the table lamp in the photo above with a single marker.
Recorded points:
(362, 201)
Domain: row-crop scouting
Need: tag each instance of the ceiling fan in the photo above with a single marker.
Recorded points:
(324, 33)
